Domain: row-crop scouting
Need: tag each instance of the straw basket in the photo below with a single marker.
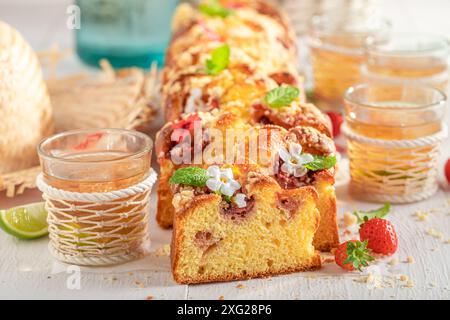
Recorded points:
(25, 111)
(126, 99)
(406, 170)
(83, 234)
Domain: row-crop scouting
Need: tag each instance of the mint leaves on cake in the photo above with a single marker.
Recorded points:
(220, 181)
(220, 58)
(214, 9)
(281, 96)
(190, 176)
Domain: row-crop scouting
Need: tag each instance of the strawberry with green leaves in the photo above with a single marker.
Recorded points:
(352, 255)
(378, 232)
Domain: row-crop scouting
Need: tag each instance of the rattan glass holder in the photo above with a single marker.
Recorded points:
(74, 219)
(398, 184)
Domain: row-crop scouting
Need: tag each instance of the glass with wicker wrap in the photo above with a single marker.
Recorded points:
(96, 184)
(394, 134)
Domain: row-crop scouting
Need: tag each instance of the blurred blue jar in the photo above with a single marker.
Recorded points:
(127, 33)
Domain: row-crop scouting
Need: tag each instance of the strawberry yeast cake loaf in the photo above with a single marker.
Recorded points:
(247, 166)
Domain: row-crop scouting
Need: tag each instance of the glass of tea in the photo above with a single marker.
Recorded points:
(96, 215)
(337, 45)
(394, 133)
(413, 59)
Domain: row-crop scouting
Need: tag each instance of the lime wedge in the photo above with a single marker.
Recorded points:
(25, 222)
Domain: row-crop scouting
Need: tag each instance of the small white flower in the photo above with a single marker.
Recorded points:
(240, 201)
(294, 160)
(222, 180)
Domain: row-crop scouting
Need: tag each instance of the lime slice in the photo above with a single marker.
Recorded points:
(25, 222)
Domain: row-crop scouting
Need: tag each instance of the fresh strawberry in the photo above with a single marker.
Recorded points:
(336, 122)
(352, 254)
(380, 234)
(447, 170)
(187, 123)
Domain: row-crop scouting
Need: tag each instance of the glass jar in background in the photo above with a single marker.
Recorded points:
(127, 33)
(394, 133)
(301, 12)
(337, 43)
(413, 59)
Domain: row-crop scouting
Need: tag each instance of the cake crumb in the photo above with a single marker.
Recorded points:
(409, 284)
(130, 273)
(139, 284)
(421, 215)
(240, 286)
(361, 279)
(404, 278)
(375, 280)
(448, 241)
(393, 262)
(434, 233)
(410, 259)
(221, 298)
(163, 251)
(149, 298)
(349, 219)
(183, 198)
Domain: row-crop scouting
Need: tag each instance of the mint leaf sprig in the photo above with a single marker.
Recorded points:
(281, 96)
(364, 216)
(321, 163)
(214, 9)
(358, 254)
(191, 176)
(220, 58)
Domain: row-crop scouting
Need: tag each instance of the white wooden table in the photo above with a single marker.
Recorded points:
(27, 270)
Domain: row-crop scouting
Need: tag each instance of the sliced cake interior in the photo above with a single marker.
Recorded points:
(215, 239)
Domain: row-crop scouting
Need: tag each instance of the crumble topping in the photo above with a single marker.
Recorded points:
(312, 139)
(183, 198)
